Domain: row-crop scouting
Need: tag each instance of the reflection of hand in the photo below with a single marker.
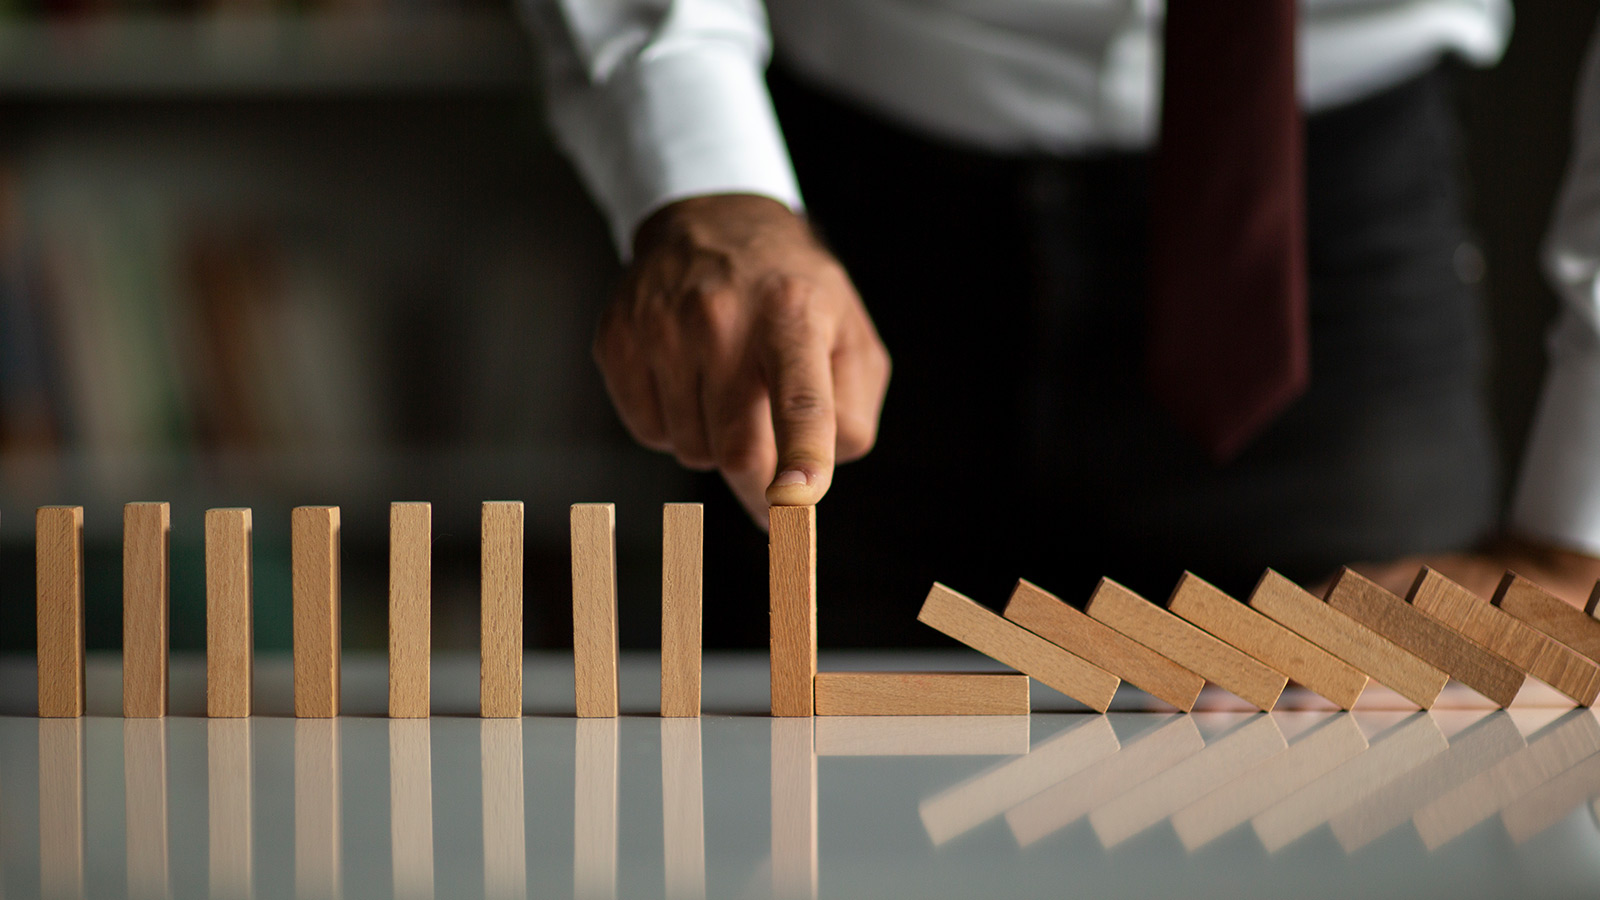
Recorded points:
(738, 343)
(1565, 573)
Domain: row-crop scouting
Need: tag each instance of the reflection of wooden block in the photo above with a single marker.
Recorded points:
(410, 615)
(146, 587)
(1534, 812)
(230, 648)
(594, 608)
(58, 547)
(61, 807)
(505, 843)
(793, 584)
(500, 664)
(921, 694)
(1007, 642)
(1549, 614)
(230, 808)
(1266, 640)
(682, 560)
(314, 546)
(922, 735)
(794, 809)
(683, 809)
(1185, 644)
(318, 810)
(1438, 646)
(1044, 614)
(1523, 646)
(595, 808)
(1289, 605)
(411, 809)
(144, 762)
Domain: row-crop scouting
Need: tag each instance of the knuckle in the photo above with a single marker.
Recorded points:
(803, 403)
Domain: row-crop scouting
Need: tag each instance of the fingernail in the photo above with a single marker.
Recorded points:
(790, 476)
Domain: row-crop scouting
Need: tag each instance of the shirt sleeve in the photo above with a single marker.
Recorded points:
(658, 100)
(1558, 496)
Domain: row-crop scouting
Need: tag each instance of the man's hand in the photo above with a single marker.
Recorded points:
(1567, 574)
(738, 343)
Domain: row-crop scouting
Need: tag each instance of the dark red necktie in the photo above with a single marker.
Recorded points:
(1228, 346)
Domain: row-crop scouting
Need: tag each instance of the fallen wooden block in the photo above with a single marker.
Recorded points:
(500, 644)
(682, 561)
(920, 694)
(1186, 645)
(594, 609)
(1383, 612)
(230, 648)
(314, 548)
(959, 617)
(1049, 617)
(146, 592)
(1550, 614)
(410, 608)
(792, 577)
(58, 550)
(1270, 643)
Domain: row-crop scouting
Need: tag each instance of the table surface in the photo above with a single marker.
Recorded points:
(1462, 801)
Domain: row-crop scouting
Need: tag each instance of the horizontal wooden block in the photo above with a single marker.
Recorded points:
(1007, 642)
(920, 694)
(1384, 661)
(1270, 643)
(1046, 615)
(1383, 612)
(1186, 645)
(1524, 646)
(1550, 614)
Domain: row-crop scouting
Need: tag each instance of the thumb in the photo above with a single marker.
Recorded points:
(800, 383)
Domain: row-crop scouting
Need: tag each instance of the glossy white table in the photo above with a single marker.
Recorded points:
(1459, 802)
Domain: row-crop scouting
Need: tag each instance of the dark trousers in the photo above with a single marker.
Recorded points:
(1018, 438)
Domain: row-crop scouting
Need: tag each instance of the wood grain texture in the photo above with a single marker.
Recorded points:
(1072, 630)
(594, 608)
(58, 550)
(920, 694)
(1007, 642)
(146, 593)
(500, 641)
(1385, 662)
(1186, 645)
(1269, 643)
(314, 548)
(1383, 612)
(1524, 646)
(682, 561)
(410, 608)
(792, 568)
(230, 604)
(1550, 614)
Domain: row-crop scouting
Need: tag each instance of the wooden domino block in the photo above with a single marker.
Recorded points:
(959, 617)
(1049, 617)
(1523, 646)
(682, 536)
(229, 604)
(1592, 607)
(314, 548)
(793, 586)
(410, 614)
(146, 589)
(920, 694)
(500, 643)
(1395, 619)
(1293, 607)
(58, 547)
(1550, 614)
(1270, 643)
(594, 608)
(1186, 645)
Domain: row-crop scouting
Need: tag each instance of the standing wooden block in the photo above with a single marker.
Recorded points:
(921, 694)
(1523, 646)
(1266, 640)
(1388, 615)
(58, 549)
(146, 580)
(314, 546)
(793, 576)
(1292, 606)
(959, 617)
(1046, 615)
(410, 613)
(682, 536)
(230, 644)
(1549, 614)
(594, 608)
(1185, 644)
(500, 666)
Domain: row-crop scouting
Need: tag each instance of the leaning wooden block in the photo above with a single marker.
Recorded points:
(920, 694)
(682, 561)
(1007, 642)
(1186, 645)
(229, 645)
(1300, 611)
(1072, 630)
(1270, 643)
(314, 548)
(410, 613)
(1388, 615)
(146, 589)
(793, 588)
(1550, 614)
(58, 549)
(594, 608)
(500, 646)
(1523, 646)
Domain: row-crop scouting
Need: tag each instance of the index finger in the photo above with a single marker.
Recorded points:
(799, 373)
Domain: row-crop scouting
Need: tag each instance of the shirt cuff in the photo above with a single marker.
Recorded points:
(1558, 497)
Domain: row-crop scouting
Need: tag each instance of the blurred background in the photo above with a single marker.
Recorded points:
(268, 254)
